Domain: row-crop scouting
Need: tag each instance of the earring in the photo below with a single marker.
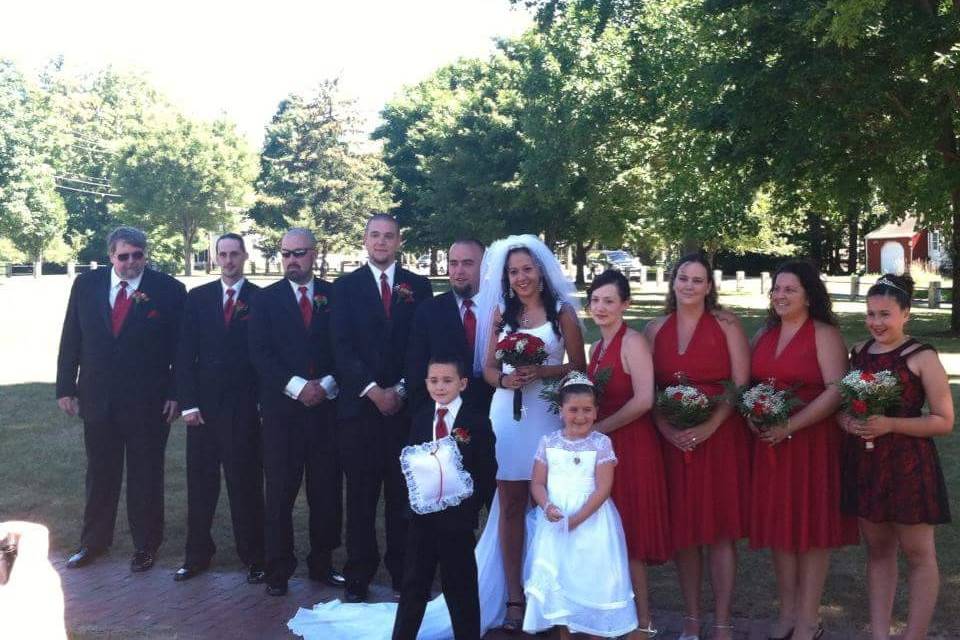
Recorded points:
(511, 294)
(540, 286)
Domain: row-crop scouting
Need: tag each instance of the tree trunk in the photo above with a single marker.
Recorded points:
(955, 258)
(853, 237)
(580, 260)
(433, 262)
(188, 253)
(324, 251)
(815, 239)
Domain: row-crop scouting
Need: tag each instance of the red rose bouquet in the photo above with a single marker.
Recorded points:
(868, 394)
(684, 406)
(767, 405)
(520, 350)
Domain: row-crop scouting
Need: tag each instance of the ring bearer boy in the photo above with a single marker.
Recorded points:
(450, 469)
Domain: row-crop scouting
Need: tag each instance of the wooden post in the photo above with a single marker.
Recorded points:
(764, 282)
(659, 277)
(741, 277)
(93, 265)
(37, 269)
(717, 279)
(71, 268)
(643, 277)
(934, 295)
(854, 286)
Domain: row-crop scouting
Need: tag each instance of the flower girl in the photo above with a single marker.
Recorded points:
(578, 571)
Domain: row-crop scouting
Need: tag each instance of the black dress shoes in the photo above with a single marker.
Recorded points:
(141, 561)
(331, 577)
(82, 558)
(277, 588)
(356, 592)
(188, 571)
(256, 574)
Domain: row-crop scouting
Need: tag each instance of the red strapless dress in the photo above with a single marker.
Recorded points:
(639, 486)
(709, 495)
(795, 495)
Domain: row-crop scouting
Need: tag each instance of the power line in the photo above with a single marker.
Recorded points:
(94, 193)
(94, 184)
(103, 181)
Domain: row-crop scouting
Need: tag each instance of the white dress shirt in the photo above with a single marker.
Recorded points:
(296, 383)
(132, 285)
(452, 410)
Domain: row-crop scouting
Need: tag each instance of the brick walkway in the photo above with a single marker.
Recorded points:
(106, 600)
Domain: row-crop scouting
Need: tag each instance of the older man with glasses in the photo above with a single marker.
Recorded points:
(115, 370)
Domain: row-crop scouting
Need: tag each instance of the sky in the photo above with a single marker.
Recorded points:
(239, 59)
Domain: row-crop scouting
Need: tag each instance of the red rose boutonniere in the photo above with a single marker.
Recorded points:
(241, 310)
(461, 435)
(320, 302)
(404, 292)
(153, 313)
(139, 297)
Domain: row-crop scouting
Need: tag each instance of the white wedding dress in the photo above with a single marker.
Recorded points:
(579, 579)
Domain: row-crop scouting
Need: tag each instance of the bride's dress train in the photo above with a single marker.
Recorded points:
(337, 620)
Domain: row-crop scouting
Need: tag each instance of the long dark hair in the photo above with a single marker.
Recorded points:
(710, 302)
(512, 305)
(820, 305)
(900, 288)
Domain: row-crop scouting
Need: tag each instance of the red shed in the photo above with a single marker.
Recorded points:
(894, 246)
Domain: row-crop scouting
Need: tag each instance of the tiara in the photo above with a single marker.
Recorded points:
(889, 283)
(576, 377)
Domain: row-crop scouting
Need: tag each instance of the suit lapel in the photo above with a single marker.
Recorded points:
(103, 293)
(455, 322)
(290, 302)
(135, 312)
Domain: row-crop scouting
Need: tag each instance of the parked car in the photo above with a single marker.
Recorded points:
(617, 259)
(423, 262)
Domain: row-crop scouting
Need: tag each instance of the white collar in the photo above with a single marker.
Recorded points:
(132, 284)
(236, 286)
(452, 410)
(296, 288)
(390, 271)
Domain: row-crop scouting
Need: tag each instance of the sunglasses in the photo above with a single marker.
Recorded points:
(296, 253)
(136, 255)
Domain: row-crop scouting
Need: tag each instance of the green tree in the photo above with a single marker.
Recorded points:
(311, 176)
(183, 176)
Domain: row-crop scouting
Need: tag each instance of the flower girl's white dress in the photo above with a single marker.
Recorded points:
(581, 578)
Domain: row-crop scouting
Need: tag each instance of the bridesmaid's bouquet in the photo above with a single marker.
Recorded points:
(520, 350)
(684, 406)
(766, 406)
(868, 394)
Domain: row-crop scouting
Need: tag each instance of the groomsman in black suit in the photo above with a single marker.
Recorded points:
(218, 393)
(120, 333)
(446, 326)
(291, 351)
(446, 538)
(373, 310)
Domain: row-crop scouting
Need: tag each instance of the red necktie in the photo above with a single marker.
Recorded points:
(441, 425)
(228, 308)
(469, 322)
(385, 296)
(121, 305)
(306, 309)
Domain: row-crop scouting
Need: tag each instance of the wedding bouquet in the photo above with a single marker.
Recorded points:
(520, 350)
(684, 406)
(868, 394)
(766, 406)
(550, 392)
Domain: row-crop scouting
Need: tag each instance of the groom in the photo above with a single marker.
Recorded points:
(371, 321)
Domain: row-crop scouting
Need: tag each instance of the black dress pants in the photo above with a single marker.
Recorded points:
(230, 439)
(297, 443)
(370, 453)
(140, 437)
(427, 547)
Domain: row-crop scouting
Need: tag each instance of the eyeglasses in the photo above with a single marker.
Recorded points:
(296, 253)
(136, 255)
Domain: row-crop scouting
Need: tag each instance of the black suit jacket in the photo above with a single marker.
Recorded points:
(479, 460)
(133, 370)
(438, 332)
(281, 347)
(213, 361)
(370, 347)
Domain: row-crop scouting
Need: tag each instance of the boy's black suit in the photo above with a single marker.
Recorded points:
(446, 538)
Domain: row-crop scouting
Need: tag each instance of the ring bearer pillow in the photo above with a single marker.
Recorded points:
(435, 475)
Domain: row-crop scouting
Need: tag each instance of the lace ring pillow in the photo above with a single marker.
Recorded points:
(435, 475)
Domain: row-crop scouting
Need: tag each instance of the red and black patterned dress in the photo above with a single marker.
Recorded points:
(900, 480)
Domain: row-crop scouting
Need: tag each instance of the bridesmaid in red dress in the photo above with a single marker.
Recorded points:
(621, 367)
(795, 496)
(897, 489)
(708, 490)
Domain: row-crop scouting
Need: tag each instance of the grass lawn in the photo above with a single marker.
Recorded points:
(42, 475)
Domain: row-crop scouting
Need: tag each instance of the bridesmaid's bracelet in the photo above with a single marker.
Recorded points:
(500, 380)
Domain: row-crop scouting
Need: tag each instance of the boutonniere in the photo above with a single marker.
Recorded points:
(153, 313)
(139, 297)
(404, 292)
(461, 435)
(240, 310)
(320, 302)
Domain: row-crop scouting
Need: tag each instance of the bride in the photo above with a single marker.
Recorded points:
(522, 289)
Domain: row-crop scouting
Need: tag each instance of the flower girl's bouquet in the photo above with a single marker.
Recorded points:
(766, 406)
(684, 406)
(868, 394)
(520, 350)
